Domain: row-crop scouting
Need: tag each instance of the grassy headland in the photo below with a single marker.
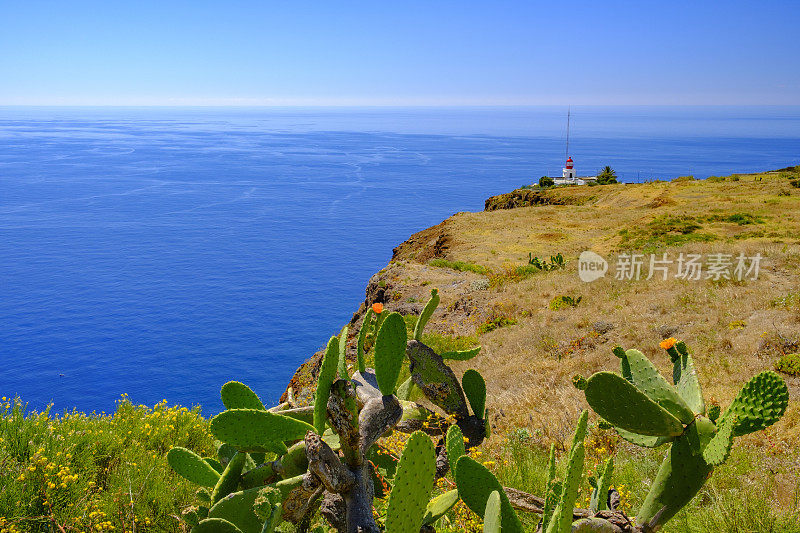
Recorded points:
(538, 327)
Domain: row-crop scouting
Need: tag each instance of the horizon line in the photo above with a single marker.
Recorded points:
(373, 105)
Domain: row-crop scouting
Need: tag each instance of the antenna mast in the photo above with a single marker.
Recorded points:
(566, 155)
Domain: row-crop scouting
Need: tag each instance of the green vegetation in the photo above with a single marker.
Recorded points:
(789, 364)
(460, 266)
(495, 323)
(607, 176)
(114, 455)
(561, 302)
(743, 219)
(273, 465)
(98, 472)
(546, 181)
(556, 261)
(664, 230)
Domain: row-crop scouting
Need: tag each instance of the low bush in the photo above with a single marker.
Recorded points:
(461, 266)
(562, 302)
(789, 364)
(495, 323)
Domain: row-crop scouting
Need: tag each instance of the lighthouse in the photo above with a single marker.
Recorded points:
(568, 172)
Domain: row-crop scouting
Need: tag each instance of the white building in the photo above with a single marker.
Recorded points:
(569, 176)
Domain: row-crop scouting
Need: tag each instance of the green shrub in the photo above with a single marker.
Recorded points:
(545, 181)
(561, 302)
(743, 219)
(460, 266)
(789, 364)
(495, 323)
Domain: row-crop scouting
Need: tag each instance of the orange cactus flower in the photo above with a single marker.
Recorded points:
(668, 343)
(377, 308)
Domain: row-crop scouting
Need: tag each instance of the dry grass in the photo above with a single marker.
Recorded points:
(735, 329)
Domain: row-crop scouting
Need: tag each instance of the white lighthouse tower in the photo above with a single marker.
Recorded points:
(568, 172)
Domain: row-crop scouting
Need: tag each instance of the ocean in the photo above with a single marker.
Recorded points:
(161, 252)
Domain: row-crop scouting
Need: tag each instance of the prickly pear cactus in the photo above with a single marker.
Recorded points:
(475, 484)
(645, 376)
(426, 314)
(215, 525)
(362, 337)
(236, 395)
(561, 522)
(621, 403)
(191, 466)
(648, 411)
(455, 444)
(599, 501)
(475, 390)
(342, 361)
(413, 483)
(327, 375)
(390, 349)
(336, 459)
(250, 429)
(492, 517)
(438, 506)
(229, 479)
(760, 403)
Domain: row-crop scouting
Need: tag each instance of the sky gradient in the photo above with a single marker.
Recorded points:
(409, 53)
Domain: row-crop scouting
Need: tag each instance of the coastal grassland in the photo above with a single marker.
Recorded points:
(97, 472)
(735, 329)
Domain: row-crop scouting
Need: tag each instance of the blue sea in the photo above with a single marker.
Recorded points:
(161, 252)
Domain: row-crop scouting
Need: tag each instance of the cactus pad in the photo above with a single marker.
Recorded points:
(438, 506)
(646, 378)
(621, 403)
(455, 444)
(253, 430)
(426, 314)
(327, 375)
(236, 395)
(685, 378)
(342, 361)
(645, 441)
(681, 475)
(267, 506)
(237, 508)
(229, 479)
(475, 390)
(475, 484)
(408, 391)
(493, 515)
(413, 483)
(561, 520)
(593, 525)
(719, 447)
(215, 525)
(761, 402)
(461, 355)
(214, 463)
(390, 348)
(191, 466)
(599, 500)
(362, 337)
(436, 380)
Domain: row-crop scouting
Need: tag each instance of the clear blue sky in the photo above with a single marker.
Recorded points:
(398, 53)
